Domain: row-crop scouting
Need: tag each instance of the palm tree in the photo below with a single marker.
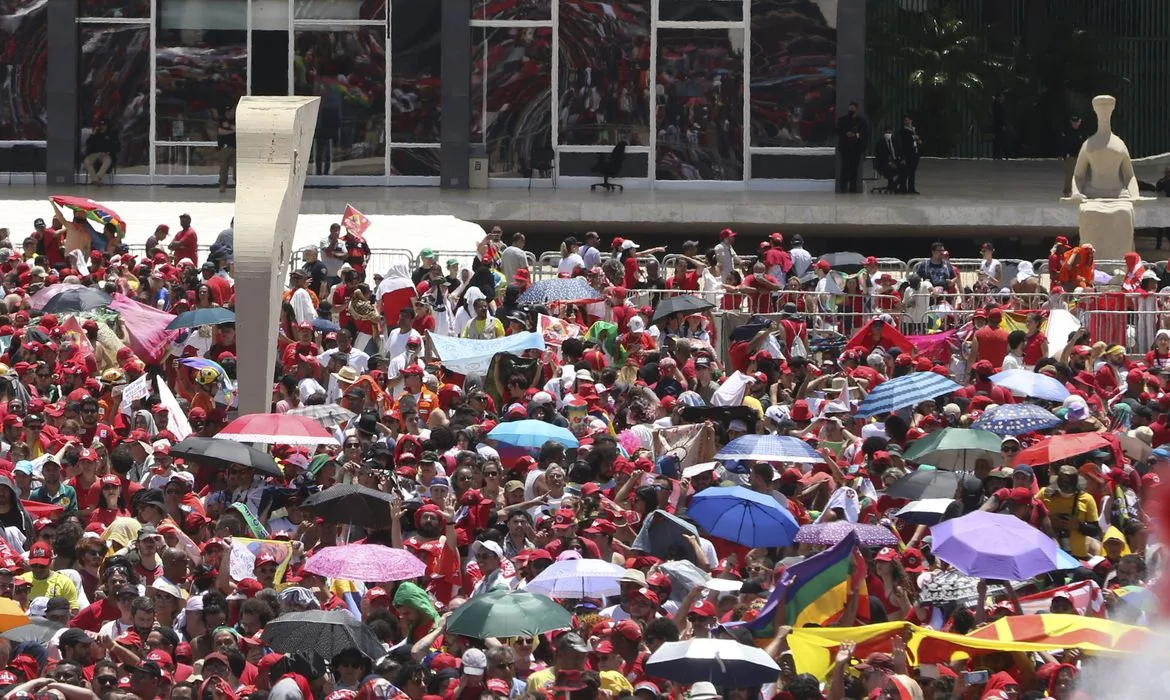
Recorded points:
(946, 65)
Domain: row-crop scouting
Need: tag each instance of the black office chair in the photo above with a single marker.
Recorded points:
(608, 166)
(888, 188)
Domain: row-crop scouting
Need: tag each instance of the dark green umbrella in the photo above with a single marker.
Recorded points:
(954, 449)
(212, 316)
(505, 613)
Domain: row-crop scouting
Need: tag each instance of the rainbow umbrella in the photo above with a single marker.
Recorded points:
(93, 211)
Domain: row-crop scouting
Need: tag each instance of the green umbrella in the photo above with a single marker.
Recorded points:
(955, 448)
(505, 613)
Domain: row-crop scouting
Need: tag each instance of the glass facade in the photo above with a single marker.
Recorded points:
(697, 90)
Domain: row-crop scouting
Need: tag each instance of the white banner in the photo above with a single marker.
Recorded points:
(177, 420)
(135, 390)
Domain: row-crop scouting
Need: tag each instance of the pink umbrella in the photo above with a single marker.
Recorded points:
(277, 429)
(371, 563)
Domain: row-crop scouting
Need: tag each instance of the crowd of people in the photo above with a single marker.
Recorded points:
(120, 545)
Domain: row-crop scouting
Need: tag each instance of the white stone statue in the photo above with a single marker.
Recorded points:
(1105, 187)
(1104, 169)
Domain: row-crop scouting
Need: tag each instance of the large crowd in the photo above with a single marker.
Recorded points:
(537, 488)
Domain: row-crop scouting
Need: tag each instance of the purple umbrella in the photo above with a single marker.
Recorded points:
(829, 534)
(372, 563)
(994, 546)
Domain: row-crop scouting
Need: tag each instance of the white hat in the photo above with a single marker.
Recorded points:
(627, 244)
(1024, 271)
(697, 469)
(636, 325)
(703, 690)
(474, 662)
(489, 545)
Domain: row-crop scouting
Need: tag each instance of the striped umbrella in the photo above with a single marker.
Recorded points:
(571, 290)
(770, 448)
(904, 392)
(1016, 419)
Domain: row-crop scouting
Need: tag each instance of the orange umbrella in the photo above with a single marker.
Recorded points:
(1061, 447)
(11, 615)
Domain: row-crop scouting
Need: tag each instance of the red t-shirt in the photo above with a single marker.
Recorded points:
(993, 345)
(422, 324)
(689, 281)
(622, 315)
(187, 245)
(221, 289)
(630, 279)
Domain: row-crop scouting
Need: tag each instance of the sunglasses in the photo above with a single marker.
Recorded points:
(105, 680)
(1009, 450)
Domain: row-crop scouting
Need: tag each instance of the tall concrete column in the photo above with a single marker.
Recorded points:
(851, 61)
(64, 133)
(456, 94)
(273, 139)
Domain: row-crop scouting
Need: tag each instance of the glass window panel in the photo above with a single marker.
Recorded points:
(339, 9)
(699, 124)
(515, 66)
(512, 9)
(201, 65)
(347, 68)
(793, 73)
(414, 161)
(114, 8)
(700, 10)
(23, 98)
(115, 86)
(186, 160)
(605, 72)
(416, 67)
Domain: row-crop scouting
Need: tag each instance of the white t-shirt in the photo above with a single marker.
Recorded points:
(569, 263)
(396, 340)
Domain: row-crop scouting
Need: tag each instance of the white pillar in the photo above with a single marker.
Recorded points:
(273, 138)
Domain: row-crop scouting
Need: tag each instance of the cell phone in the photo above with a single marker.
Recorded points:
(976, 677)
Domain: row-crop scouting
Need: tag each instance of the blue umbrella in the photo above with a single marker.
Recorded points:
(531, 433)
(905, 391)
(324, 325)
(559, 289)
(770, 448)
(1016, 419)
(212, 316)
(743, 516)
(1031, 384)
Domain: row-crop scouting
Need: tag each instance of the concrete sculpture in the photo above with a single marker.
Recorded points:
(1105, 187)
(273, 138)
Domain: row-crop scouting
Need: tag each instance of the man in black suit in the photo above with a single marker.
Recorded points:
(851, 139)
(908, 143)
(886, 158)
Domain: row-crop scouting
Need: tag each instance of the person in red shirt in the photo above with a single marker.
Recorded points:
(761, 287)
(186, 242)
(221, 289)
(684, 278)
(52, 242)
(990, 342)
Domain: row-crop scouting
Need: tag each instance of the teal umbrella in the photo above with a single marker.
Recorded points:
(505, 613)
(954, 448)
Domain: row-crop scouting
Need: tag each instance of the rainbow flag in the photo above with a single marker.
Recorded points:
(816, 590)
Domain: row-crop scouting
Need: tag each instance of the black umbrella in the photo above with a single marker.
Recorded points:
(224, 453)
(352, 504)
(37, 631)
(847, 262)
(686, 304)
(925, 483)
(664, 536)
(327, 632)
(75, 300)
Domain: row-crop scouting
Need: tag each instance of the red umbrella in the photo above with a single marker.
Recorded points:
(277, 429)
(94, 211)
(1061, 447)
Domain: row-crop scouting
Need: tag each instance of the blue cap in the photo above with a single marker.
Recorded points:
(440, 481)
(1161, 453)
(24, 467)
(1023, 469)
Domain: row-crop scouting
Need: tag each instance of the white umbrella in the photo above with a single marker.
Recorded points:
(724, 662)
(928, 511)
(578, 578)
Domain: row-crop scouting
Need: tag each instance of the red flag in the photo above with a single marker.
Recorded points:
(354, 221)
(1086, 597)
